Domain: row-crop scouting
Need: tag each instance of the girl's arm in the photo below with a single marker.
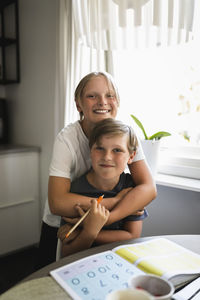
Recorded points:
(138, 197)
(131, 230)
(61, 201)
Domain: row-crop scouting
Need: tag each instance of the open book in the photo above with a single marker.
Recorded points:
(95, 276)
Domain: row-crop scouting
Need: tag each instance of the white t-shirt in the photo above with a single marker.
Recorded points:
(71, 159)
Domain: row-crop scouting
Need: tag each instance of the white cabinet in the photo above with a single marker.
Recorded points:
(19, 200)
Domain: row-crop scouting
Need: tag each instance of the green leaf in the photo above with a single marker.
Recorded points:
(159, 135)
(140, 125)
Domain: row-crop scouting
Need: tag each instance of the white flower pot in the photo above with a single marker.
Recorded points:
(151, 151)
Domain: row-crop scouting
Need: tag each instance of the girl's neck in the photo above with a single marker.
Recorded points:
(87, 127)
(101, 183)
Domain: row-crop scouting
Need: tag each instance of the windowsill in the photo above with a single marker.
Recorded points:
(178, 182)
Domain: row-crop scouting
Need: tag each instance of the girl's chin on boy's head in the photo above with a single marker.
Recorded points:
(101, 117)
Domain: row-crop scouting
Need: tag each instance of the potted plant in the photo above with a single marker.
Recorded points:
(151, 145)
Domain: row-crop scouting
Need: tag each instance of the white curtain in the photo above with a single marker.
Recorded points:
(73, 61)
(108, 24)
(66, 68)
(88, 31)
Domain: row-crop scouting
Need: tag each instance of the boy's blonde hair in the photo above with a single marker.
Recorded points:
(82, 84)
(113, 127)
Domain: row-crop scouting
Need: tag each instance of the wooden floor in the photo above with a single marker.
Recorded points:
(16, 266)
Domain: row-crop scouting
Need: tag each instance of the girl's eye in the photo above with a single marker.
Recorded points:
(117, 150)
(111, 96)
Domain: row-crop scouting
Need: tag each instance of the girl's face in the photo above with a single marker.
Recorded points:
(98, 101)
(110, 156)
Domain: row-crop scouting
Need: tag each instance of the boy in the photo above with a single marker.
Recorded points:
(113, 145)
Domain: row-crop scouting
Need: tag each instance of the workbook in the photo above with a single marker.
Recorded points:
(95, 276)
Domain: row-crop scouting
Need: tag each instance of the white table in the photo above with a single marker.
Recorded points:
(41, 286)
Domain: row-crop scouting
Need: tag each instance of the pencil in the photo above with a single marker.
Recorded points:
(82, 218)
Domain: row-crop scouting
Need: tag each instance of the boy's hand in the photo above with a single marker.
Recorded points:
(96, 218)
(92, 224)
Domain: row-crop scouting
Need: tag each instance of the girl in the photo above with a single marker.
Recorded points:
(96, 99)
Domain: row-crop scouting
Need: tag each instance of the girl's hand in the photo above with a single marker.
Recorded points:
(63, 230)
(84, 208)
(139, 212)
(71, 221)
(80, 212)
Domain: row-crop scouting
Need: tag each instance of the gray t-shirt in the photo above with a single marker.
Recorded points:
(83, 187)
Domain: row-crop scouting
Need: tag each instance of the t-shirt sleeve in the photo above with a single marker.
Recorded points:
(139, 153)
(62, 158)
(137, 218)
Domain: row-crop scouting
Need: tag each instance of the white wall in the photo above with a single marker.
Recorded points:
(32, 117)
(174, 211)
(31, 102)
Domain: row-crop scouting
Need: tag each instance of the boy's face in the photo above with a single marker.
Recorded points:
(110, 156)
(98, 101)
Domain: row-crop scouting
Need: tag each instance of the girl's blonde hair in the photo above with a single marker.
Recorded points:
(113, 127)
(82, 84)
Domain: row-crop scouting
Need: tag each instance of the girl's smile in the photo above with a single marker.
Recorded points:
(97, 102)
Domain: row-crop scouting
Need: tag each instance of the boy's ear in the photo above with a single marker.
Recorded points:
(131, 157)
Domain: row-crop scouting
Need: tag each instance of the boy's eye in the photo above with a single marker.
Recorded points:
(99, 148)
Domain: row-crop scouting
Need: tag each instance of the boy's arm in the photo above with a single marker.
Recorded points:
(92, 224)
(131, 230)
(81, 242)
(138, 197)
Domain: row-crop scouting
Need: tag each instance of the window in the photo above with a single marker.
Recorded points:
(161, 87)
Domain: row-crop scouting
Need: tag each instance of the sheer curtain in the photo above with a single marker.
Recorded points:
(65, 65)
(108, 24)
(88, 31)
(73, 61)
